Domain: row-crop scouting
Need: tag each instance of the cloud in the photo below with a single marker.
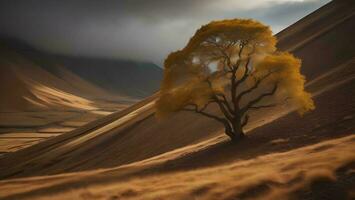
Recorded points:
(133, 29)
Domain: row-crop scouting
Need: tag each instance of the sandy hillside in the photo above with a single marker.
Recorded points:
(131, 155)
(42, 99)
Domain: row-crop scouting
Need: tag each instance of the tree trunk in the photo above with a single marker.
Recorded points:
(234, 131)
(229, 131)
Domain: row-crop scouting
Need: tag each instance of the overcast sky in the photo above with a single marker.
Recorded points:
(133, 29)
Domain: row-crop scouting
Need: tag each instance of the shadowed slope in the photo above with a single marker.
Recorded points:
(126, 78)
(322, 38)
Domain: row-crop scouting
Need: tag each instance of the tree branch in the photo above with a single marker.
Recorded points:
(225, 101)
(222, 50)
(196, 110)
(234, 78)
(262, 106)
(246, 69)
(241, 46)
(252, 103)
(254, 87)
(221, 105)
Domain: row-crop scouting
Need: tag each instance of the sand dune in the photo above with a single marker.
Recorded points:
(41, 95)
(38, 99)
(38, 88)
(131, 155)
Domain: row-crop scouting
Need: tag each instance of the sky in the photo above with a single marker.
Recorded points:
(144, 30)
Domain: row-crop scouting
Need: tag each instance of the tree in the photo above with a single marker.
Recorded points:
(235, 65)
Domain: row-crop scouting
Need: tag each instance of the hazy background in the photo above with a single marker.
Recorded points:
(133, 29)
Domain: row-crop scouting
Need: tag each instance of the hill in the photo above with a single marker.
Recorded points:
(42, 98)
(131, 155)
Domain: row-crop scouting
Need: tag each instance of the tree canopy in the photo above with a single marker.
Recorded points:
(235, 65)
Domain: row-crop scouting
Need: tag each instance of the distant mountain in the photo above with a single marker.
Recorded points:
(135, 79)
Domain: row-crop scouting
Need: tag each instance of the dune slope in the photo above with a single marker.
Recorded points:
(35, 101)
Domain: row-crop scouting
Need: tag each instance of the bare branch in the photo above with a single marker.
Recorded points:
(223, 52)
(234, 78)
(241, 46)
(268, 105)
(232, 43)
(225, 63)
(196, 110)
(254, 87)
(221, 105)
(203, 108)
(246, 69)
(222, 47)
(246, 73)
(263, 106)
(224, 100)
(234, 82)
(259, 98)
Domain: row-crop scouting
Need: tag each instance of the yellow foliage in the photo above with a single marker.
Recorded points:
(178, 63)
(287, 73)
(243, 40)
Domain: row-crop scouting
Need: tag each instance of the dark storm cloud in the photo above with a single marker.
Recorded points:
(132, 29)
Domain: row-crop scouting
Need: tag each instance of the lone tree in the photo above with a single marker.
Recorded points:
(235, 65)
